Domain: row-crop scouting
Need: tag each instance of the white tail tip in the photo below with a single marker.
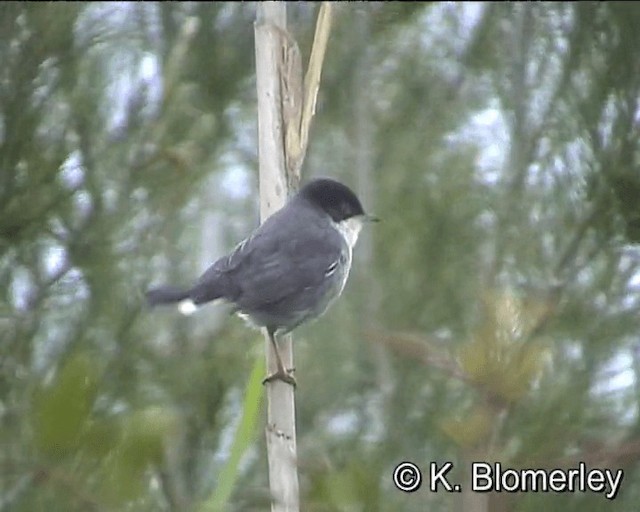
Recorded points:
(187, 307)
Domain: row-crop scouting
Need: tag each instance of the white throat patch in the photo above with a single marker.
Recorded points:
(350, 229)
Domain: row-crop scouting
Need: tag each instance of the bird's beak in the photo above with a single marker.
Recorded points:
(370, 218)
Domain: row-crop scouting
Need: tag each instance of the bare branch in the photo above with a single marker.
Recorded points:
(280, 432)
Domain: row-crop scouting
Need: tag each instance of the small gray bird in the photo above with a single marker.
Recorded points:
(291, 268)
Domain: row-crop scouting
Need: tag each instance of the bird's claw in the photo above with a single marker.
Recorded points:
(282, 375)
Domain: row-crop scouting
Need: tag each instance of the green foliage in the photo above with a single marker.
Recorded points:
(144, 438)
(501, 356)
(243, 439)
(353, 487)
(61, 410)
(499, 144)
(471, 430)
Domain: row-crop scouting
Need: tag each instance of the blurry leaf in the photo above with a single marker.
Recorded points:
(499, 356)
(121, 478)
(146, 433)
(474, 428)
(353, 488)
(144, 437)
(99, 437)
(244, 438)
(61, 410)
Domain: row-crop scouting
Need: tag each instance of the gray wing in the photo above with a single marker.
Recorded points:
(285, 256)
(283, 267)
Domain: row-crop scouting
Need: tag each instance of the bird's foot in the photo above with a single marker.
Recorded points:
(282, 375)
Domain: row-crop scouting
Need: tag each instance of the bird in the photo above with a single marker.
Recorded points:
(288, 271)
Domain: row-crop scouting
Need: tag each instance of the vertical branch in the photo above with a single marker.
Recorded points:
(280, 432)
(300, 99)
(286, 106)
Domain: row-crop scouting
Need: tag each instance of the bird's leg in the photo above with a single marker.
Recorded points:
(281, 372)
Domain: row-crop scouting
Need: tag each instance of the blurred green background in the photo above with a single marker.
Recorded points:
(493, 314)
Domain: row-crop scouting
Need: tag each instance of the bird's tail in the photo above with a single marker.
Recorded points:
(166, 295)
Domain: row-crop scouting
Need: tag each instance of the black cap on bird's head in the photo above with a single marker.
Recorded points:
(334, 198)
